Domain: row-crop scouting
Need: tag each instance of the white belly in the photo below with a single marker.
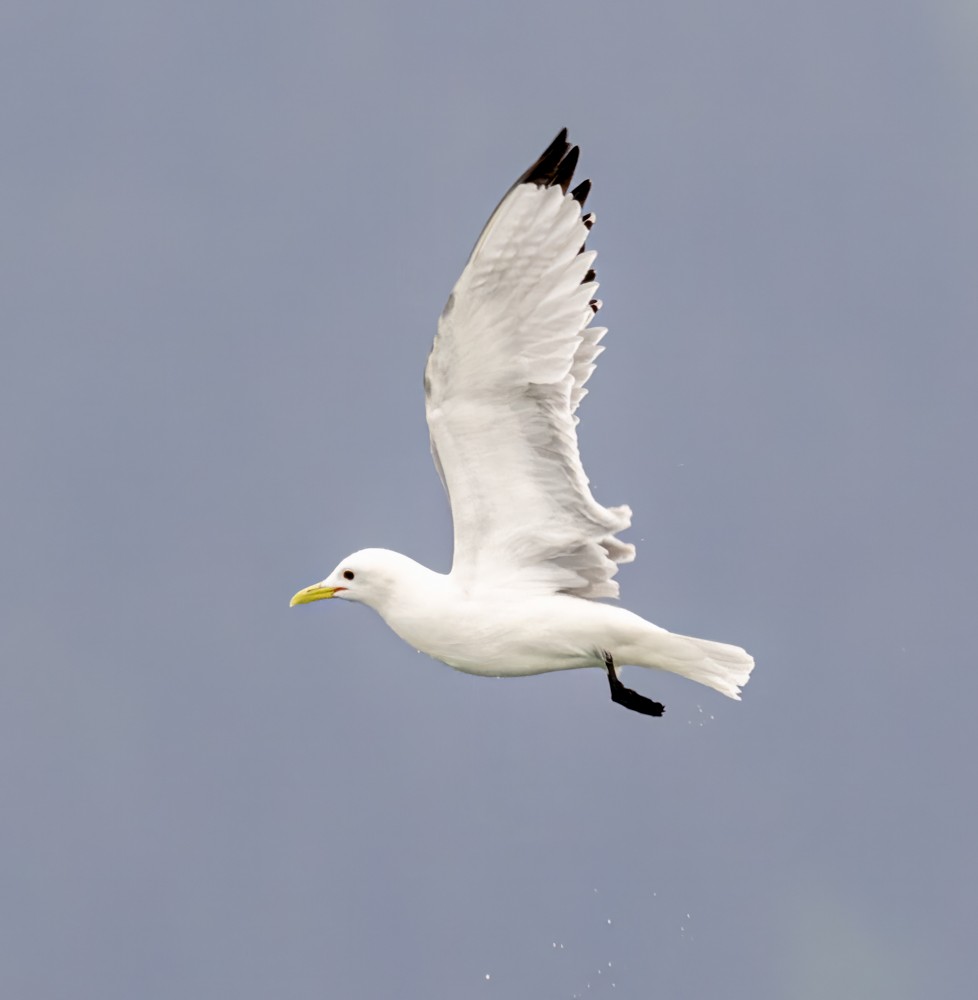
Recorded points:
(518, 637)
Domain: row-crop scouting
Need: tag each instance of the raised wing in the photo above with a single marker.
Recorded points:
(503, 380)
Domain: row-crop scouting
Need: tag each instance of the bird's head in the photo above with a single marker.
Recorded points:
(370, 576)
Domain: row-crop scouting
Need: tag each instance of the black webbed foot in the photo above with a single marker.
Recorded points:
(628, 698)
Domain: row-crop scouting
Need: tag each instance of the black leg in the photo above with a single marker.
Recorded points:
(628, 698)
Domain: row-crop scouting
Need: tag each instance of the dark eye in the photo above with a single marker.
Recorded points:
(348, 574)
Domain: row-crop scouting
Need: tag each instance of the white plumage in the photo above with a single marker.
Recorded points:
(533, 548)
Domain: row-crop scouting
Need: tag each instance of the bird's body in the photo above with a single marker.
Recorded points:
(515, 632)
(533, 548)
(501, 633)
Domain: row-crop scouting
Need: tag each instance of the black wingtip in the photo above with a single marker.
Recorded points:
(556, 165)
(565, 169)
(580, 193)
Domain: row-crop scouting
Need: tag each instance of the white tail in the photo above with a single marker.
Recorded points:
(718, 665)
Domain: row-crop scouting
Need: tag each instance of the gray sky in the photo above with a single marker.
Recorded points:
(227, 233)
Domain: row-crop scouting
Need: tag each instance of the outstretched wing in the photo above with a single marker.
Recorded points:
(503, 380)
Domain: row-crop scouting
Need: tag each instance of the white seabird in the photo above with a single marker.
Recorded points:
(533, 548)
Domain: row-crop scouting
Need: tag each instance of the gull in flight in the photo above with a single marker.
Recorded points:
(534, 551)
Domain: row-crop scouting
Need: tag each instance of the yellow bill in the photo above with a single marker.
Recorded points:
(317, 592)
